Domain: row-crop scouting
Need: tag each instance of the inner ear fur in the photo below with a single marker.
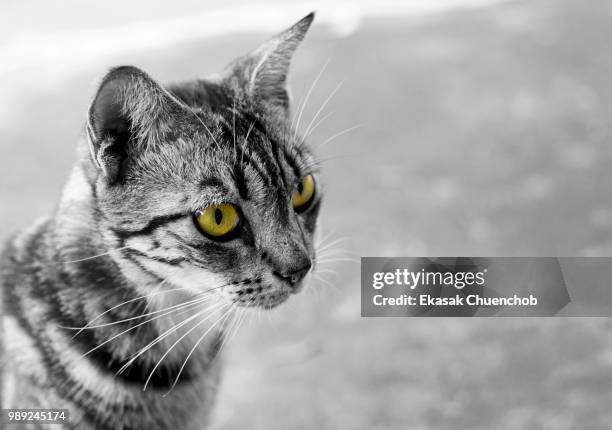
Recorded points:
(127, 115)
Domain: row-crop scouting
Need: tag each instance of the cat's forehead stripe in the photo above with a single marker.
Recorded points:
(254, 148)
(211, 181)
(293, 164)
(240, 181)
(245, 158)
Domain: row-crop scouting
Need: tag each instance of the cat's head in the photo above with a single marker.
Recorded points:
(205, 185)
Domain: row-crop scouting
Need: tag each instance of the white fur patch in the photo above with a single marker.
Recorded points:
(81, 369)
(76, 188)
(24, 359)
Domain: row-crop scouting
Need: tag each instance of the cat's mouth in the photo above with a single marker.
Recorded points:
(262, 295)
(266, 300)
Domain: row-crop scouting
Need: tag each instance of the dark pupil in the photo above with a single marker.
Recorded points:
(300, 187)
(218, 216)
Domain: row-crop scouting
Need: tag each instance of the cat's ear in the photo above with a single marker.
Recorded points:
(262, 74)
(129, 113)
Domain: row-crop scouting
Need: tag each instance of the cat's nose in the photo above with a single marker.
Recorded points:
(287, 259)
(294, 276)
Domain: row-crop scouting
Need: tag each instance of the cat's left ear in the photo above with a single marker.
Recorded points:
(129, 114)
(262, 74)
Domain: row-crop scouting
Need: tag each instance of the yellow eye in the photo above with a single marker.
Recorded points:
(217, 221)
(304, 193)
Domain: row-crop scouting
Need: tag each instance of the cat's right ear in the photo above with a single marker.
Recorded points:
(128, 114)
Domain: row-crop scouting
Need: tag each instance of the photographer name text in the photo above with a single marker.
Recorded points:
(410, 280)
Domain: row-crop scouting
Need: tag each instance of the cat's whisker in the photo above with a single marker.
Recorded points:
(246, 315)
(123, 304)
(323, 271)
(144, 297)
(331, 246)
(324, 276)
(233, 324)
(319, 161)
(159, 338)
(244, 144)
(316, 164)
(312, 86)
(234, 123)
(130, 329)
(321, 238)
(94, 256)
(332, 253)
(335, 251)
(324, 267)
(341, 133)
(327, 283)
(316, 115)
(318, 123)
(337, 260)
(292, 129)
(294, 117)
(325, 240)
(211, 313)
(211, 308)
(320, 249)
(222, 317)
(309, 289)
(329, 254)
(189, 303)
(317, 276)
(165, 334)
(326, 273)
(233, 331)
(328, 245)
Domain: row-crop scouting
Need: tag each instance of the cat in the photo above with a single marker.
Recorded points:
(187, 203)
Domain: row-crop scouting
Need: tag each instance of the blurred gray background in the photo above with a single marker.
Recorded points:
(485, 129)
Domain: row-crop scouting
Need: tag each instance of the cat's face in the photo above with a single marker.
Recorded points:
(205, 185)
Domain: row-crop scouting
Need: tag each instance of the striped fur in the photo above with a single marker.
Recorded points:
(122, 257)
